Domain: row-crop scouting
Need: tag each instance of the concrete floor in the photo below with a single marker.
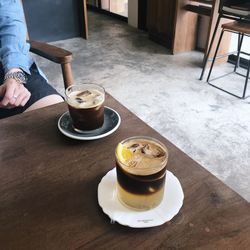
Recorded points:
(163, 90)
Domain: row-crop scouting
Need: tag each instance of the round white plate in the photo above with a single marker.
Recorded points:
(169, 207)
(112, 121)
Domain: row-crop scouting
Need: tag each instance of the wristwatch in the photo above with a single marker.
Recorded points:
(19, 76)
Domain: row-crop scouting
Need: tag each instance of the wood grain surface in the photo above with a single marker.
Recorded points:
(48, 187)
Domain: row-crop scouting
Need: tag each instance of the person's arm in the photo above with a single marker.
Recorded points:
(14, 52)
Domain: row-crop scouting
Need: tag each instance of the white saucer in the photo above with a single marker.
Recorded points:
(111, 123)
(169, 207)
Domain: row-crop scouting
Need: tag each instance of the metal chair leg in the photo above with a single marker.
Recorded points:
(237, 63)
(247, 77)
(209, 49)
(215, 55)
(240, 40)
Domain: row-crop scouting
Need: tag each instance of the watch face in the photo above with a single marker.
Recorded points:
(21, 76)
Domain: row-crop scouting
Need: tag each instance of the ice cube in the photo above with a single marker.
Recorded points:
(98, 98)
(146, 149)
(84, 93)
(134, 147)
(79, 100)
(160, 153)
(152, 151)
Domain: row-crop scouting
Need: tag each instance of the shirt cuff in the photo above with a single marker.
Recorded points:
(17, 60)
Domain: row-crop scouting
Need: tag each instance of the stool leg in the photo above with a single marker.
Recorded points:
(240, 40)
(215, 55)
(247, 77)
(209, 49)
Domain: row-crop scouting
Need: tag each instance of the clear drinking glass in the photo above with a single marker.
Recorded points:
(141, 164)
(86, 106)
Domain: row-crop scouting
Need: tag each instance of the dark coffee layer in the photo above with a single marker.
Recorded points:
(87, 119)
(142, 185)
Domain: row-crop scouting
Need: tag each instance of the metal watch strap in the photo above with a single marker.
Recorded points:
(19, 76)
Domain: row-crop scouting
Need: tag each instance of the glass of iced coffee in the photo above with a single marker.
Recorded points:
(86, 106)
(141, 171)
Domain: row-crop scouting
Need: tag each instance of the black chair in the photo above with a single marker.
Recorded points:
(237, 10)
(241, 28)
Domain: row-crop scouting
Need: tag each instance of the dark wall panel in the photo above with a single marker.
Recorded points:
(49, 20)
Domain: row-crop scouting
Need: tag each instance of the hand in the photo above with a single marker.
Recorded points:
(13, 94)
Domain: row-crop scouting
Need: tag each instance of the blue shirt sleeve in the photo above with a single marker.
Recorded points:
(14, 50)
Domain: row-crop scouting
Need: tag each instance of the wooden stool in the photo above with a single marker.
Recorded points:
(242, 28)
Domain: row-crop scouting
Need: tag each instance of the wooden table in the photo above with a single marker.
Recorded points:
(48, 187)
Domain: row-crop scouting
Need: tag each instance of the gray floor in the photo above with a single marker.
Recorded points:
(210, 126)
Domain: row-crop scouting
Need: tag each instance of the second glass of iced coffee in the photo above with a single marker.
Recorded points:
(141, 164)
(86, 106)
